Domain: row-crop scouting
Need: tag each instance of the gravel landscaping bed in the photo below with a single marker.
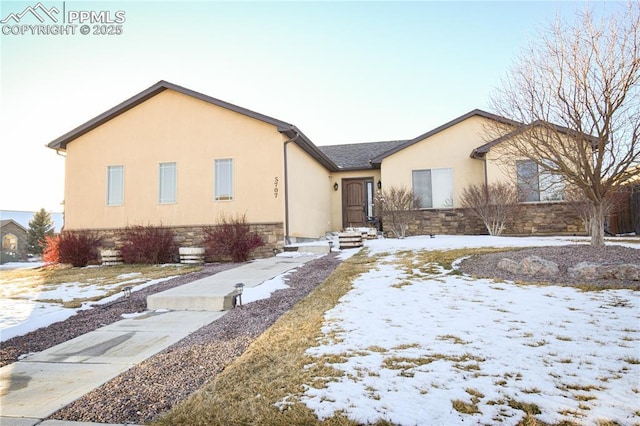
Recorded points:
(92, 319)
(151, 388)
(486, 266)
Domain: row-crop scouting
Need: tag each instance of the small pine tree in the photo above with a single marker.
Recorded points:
(40, 227)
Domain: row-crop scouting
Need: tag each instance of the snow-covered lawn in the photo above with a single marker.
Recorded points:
(29, 303)
(421, 346)
(26, 306)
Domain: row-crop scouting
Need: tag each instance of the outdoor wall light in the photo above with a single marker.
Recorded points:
(379, 185)
(237, 300)
(335, 186)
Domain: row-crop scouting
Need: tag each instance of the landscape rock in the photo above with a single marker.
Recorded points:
(593, 271)
(531, 265)
(509, 265)
(534, 265)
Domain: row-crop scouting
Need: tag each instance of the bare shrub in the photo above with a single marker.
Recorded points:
(493, 204)
(397, 207)
(231, 238)
(583, 207)
(50, 249)
(78, 248)
(149, 245)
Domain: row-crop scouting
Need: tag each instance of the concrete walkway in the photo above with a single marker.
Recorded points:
(40, 384)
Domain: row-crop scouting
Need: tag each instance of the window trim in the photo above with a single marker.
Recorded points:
(109, 201)
(216, 173)
(161, 188)
(451, 194)
(544, 181)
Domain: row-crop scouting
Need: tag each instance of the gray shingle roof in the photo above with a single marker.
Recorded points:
(358, 155)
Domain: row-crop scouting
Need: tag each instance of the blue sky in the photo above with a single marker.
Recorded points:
(341, 71)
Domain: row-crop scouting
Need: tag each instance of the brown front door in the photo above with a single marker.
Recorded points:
(357, 198)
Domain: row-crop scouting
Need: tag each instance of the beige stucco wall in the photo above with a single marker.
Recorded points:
(309, 195)
(173, 127)
(449, 148)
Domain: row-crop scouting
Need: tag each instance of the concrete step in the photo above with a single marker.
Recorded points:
(317, 247)
(215, 293)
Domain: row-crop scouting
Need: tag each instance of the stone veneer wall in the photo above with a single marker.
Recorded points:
(530, 219)
(21, 247)
(193, 236)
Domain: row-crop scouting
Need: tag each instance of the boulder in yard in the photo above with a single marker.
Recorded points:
(534, 265)
(509, 265)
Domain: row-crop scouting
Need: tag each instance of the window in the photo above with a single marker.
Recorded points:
(223, 179)
(115, 185)
(369, 205)
(9, 242)
(434, 187)
(538, 185)
(168, 180)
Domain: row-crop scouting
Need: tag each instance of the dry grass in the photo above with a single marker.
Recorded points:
(264, 384)
(111, 279)
(465, 407)
(427, 262)
(273, 368)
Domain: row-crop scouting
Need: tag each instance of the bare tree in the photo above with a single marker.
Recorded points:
(493, 204)
(397, 206)
(584, 77)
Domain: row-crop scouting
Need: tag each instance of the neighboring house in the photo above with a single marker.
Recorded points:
(25, 217)
(13, 237)
(174, 157)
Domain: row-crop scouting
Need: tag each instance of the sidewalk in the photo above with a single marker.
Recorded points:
(37, 386)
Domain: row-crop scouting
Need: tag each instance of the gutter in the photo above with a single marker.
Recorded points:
(287, 238)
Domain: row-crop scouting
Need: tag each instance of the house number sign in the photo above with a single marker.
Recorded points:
(275, 187)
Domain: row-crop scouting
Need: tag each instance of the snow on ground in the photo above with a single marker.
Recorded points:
(413, 342)
(21, 313)
(9, 266)
(264, 290)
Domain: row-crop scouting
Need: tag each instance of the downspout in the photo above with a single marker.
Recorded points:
(63, 208)
(486, 176)
(287, 238)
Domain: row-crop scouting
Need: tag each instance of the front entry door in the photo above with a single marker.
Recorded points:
(357, 202)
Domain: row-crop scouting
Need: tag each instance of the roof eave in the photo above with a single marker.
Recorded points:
(300, 139)
(445, 126)
(61, 142)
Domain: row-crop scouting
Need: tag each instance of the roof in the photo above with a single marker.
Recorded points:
(476, 112)
(357, 156)
(24, 217)
(5, 222)
(480, 151)
(289, 130)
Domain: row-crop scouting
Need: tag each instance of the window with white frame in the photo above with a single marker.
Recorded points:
(537, 184)
(167, 188)
(434, 188)
(223, 179)
(115, 185)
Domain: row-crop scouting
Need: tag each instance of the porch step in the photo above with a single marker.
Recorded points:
(316, 247)
(214, 293)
